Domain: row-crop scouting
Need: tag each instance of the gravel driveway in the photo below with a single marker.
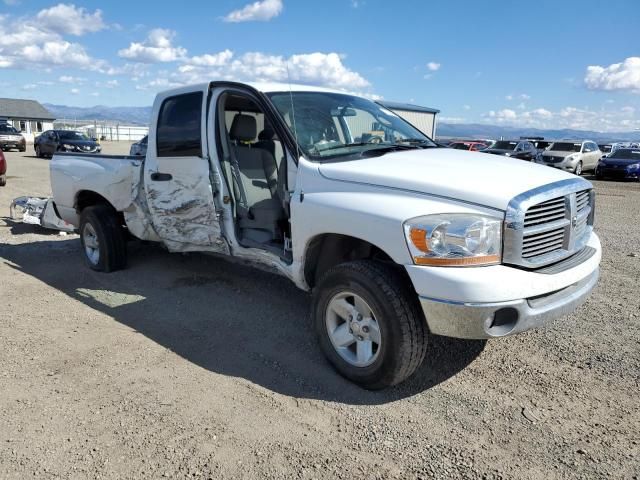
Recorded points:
(193, 366)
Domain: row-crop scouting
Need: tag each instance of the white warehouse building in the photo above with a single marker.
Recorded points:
(423, 118)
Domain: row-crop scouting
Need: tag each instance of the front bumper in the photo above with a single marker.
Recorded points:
(489, 320)
(499, 300)
(617, 172)
(8, 144)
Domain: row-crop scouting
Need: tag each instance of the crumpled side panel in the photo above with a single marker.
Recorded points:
(184, 216)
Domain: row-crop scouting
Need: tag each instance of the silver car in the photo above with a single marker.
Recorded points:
(571, 156)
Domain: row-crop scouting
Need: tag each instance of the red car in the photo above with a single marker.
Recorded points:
(3, 170)
(471, 146)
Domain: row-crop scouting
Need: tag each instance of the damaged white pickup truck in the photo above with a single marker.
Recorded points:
(396, 238)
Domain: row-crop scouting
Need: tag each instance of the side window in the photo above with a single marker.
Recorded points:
(179, 131)
(587, 147)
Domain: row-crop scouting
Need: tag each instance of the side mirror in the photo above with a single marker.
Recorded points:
(94, 139)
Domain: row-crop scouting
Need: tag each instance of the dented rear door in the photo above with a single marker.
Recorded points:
(177, 176)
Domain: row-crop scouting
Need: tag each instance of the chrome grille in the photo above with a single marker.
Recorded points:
(548, 224)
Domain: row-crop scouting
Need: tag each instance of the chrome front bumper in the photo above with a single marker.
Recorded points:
(490, 320)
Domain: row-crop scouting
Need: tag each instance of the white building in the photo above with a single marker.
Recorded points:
(27, 116)
(423, 118)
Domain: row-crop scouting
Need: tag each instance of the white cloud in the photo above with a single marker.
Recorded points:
(11, 3)
(261, 11)
(617, 76)
(29, 86)
(628, 110)
(26, 43)
(433, 66)
(323, 69)
(74, 91)
(156, 48)
(69, 19)
(567, 117)
(95, 94)
(71, 79)
(502, 115)
(467, 107)
(522, 96)
(215, 60)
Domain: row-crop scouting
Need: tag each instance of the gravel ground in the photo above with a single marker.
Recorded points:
(192, 366)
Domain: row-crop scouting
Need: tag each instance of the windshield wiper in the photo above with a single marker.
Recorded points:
(417, 140)
(388, 148)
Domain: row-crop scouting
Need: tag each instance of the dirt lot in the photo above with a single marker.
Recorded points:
(192, 366)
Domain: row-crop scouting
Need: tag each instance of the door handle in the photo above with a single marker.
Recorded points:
(161, 177)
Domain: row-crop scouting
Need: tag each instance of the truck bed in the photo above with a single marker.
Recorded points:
(114, 177)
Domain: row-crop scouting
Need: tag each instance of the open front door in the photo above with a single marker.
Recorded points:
(177, 176)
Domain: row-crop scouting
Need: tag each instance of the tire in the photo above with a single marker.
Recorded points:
(101, 232)
(578, 169)
(38, 152)
(403, 332)
(3, 180)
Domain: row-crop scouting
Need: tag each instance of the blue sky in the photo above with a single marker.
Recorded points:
(544, 64)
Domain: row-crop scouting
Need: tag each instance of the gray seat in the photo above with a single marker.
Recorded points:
(259, 208)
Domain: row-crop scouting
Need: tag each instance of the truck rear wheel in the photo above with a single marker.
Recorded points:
(103, 239)
(369, 324)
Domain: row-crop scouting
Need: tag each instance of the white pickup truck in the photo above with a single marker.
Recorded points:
(396, 237)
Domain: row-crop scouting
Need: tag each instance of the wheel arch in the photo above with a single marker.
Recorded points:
(326, 250)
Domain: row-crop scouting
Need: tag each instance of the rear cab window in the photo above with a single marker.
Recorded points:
(179, 132)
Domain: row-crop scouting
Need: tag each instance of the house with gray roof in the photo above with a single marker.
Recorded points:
(28, 116)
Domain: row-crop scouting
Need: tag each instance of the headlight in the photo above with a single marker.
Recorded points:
(68, 147)
(571, 158)
(634, 166)
(507, 154)
(455, 239)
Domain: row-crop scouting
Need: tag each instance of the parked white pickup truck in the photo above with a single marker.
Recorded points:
(396, 238)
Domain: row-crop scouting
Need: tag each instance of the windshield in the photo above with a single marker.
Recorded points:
(340, 125)
(66, 135)
(502, 145)
(6, 128)
(565, 147)
(626, 153)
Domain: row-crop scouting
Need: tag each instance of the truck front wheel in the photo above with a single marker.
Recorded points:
(369, 324)
(103, 240)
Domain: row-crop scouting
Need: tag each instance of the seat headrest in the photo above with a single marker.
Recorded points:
(243, 128)
(266, 134)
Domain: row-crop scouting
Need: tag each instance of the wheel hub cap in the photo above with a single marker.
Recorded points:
(353, 329)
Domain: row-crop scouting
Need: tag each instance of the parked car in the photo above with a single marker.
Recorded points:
(139, 148)
(11, 138)
(520, 149)
(396, 238)
(470, 146)
(3, 169)
(624, 163)
(53, 141)
(572, 156)
(605, 148)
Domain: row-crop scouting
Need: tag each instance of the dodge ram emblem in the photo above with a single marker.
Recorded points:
(574, 221)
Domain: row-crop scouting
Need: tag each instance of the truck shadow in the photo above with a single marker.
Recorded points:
(225, 317)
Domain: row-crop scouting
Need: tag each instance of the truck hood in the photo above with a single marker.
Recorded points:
(487, 180)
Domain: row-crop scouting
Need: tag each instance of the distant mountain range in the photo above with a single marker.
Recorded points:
(126, 115)
(142, 115)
